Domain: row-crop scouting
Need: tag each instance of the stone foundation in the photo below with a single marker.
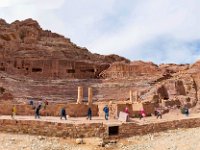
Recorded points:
(73, 110)
(91, 129)
(52, 128)
(132, 129)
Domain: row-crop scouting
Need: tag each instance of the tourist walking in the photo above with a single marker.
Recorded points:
(126, 110)
(89, 113)
(186, 110)
(63, 113)
(106, 111)
(142, 114)
(158, 113)
(14, 110)
(37, 111)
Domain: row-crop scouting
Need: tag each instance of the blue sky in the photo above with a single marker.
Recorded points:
(162, 31)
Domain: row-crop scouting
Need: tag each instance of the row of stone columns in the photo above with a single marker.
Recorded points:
(90, 95)
(80, 95)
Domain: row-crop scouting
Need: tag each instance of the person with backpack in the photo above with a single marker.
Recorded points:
(89, 113)
(37, 111)
(63, 113)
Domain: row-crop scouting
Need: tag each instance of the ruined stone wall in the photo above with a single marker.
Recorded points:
(171, 103)
(135, 108)
(91, 129)
(132, 129)
(121, 107)
(73, 110)
(149, 108)
(52, 128)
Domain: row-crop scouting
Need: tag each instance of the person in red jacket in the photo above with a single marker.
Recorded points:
(126, 110)
(142, 114)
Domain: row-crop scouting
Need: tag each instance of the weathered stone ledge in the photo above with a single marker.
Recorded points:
(48, 128)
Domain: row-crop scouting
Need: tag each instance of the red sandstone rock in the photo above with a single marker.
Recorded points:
(29, 50)
(39, 64)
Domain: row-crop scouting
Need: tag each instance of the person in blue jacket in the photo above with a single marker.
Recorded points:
(106, 111)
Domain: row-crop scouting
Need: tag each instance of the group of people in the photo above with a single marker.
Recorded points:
(37, 107)
(105, 109)
(63, 114)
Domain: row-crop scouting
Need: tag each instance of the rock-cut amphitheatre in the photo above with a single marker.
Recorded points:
(37, 64)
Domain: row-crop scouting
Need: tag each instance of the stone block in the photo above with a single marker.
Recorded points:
(123, 116)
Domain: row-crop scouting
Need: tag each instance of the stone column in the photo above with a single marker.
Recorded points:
(90, 95)
(136, 96)
(131, 96)
(80, 95)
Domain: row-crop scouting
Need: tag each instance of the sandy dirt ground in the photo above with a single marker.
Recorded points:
(181, 139)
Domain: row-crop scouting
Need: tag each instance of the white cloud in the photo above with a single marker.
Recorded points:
(41, 4)
(132, 28)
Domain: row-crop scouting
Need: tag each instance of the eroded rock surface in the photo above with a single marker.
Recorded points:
(37, 63)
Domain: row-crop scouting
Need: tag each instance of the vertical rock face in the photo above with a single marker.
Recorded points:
(38, 63)
(124, 70)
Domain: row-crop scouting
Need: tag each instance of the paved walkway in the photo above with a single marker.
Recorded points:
(74, 120)
(80, 120)
(165, 117)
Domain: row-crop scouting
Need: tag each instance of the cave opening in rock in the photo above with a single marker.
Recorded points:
(36, 69)
(71, 71)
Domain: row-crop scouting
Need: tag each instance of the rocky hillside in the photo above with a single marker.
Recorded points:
(37, 63)
(26, 49)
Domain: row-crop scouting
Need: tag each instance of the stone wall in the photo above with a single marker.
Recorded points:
(52, 128)
(135, 108)
(121, 107)
(149, 108)
(132, 129)
(171, 103)
(91, 129)
(73, 110)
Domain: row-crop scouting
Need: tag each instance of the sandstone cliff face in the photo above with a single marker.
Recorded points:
(28, 50)
(41, 64)
(125, 70)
